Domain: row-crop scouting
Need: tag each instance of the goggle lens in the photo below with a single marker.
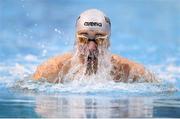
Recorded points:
(83, 39)
(99, 40)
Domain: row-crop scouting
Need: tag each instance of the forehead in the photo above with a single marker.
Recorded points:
(91, 32)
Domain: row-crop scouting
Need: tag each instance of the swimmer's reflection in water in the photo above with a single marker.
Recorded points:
(90, 107)
(91, 56)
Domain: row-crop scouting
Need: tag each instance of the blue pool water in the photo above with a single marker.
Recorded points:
(31, 31)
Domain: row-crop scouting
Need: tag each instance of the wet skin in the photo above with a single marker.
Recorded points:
(88, 43)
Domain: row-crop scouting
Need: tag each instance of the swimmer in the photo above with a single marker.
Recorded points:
(93, 30)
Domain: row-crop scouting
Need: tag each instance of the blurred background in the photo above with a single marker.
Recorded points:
(145, 31)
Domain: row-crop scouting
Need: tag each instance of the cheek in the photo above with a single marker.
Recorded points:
(82, 48)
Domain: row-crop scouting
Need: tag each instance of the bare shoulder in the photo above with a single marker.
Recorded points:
(125, 69)
(121, 60)
(50, 68)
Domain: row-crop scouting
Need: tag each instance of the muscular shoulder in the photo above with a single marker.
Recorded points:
(121, 60)
(59, 59)
(50, 68)
(129, 69)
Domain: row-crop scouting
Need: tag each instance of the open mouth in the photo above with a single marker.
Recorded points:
(92, 56)
(92, 62)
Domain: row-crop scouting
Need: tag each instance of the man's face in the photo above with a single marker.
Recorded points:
(90, 45)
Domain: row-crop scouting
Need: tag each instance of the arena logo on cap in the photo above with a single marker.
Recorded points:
(92, 24)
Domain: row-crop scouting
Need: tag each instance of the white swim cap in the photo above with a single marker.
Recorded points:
(93, 19)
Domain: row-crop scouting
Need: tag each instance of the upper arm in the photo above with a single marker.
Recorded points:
(126, 69)
(50, 68)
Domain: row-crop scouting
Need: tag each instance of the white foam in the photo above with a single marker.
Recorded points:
(169, 74)
(99, 85)
(94, 87)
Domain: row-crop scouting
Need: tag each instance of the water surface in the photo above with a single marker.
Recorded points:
(31, 31)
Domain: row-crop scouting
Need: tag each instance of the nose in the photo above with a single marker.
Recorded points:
(92, 46)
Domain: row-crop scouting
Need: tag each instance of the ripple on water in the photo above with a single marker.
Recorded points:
(17, 79)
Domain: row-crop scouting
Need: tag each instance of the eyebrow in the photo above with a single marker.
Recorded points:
(100, 34)
(83, 33)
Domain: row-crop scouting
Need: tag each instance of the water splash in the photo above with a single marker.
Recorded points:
(17, 76)
(93, 84)
(80, 71)
(94, 87)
